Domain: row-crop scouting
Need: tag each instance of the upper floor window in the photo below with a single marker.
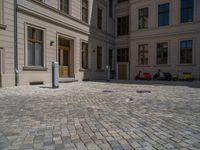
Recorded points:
(35, 47)
(163, 14)
(187, 10)
(122, 25)
(99, 18)
(1, 11)
(143, 54)
(111, 8)
(122, 55)
(143, 18)
(99, 57)
(186, 52)
(120, 1)
(162, 53)
(64, 6)
(85, 11)
(84, 55)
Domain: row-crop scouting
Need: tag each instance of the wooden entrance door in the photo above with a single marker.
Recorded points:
(122, 71)
(64, 70)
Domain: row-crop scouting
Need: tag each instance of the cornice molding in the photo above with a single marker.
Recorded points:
(49, 19)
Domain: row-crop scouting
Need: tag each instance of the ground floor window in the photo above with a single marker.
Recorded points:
(186, 47)
(110, 58)
(122, 55)
(84, 55)
(143, 54)
(99, 57)
(35, 47)
(162, 53)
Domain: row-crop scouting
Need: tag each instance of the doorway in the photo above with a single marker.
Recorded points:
(64, 69)
(65, 57)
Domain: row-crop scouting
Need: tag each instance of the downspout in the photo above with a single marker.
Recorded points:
(15, 46)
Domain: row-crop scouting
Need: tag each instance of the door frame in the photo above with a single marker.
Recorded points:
(127, 72)
(67, 49)
(72, 52)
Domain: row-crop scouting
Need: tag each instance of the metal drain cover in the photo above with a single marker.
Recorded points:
(107, 91)
(143, 91)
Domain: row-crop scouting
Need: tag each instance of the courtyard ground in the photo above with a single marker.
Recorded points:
(97, 115)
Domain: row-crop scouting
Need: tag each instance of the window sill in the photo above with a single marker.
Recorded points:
(185, 65)
(3, 27)
(35, 68)
(143, 66)
(162, 65)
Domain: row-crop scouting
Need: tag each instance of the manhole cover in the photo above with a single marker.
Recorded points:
(107, 91)
(143, 91)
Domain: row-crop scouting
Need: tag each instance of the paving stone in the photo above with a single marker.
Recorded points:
(79, 116)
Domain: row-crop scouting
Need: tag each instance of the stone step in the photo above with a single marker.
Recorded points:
(67, 80)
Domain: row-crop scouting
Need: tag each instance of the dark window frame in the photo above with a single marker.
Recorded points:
(123, 55)
(143, 49)
(63, 4)
(143, 18)
(99, 57)
(99, 18)
(84, 55)
(123, 25)
(162, 53)
(186, 52)
(85, 10)
(189, 8)
(164, 14)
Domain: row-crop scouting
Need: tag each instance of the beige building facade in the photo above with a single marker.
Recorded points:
(85, 36)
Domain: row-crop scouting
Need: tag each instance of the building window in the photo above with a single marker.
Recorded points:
(163, 14)
(162, 53)
(143, 18)
(143, 54)
(120, 1)
(64, 6)
(111, 8)
(84, 55)
(99, 57)
(1, 11)
(99, 18)
(35, 47)
(110, 58)
(123, 25)
(187, 7)
(186, 52)
(122, 55)
(85, 11)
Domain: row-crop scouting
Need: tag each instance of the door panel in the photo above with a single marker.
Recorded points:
(64, 62)
(122, 71)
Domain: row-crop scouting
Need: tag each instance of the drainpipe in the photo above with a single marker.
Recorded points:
(15, 45)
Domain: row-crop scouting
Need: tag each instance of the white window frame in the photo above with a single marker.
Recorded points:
(26, 46)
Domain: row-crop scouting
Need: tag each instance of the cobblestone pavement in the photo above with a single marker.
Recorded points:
(93, 116)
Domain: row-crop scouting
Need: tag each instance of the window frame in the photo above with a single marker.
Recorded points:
(99, 66)
(169, 13)
(86, 21)
(180, 12)
(26, 65)
(122, 56)
(162, 42)
(101, 22)
(124, 19)
(138, 56)
(62, 11)
(81, 58)
(138, 19)
(193, 49)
